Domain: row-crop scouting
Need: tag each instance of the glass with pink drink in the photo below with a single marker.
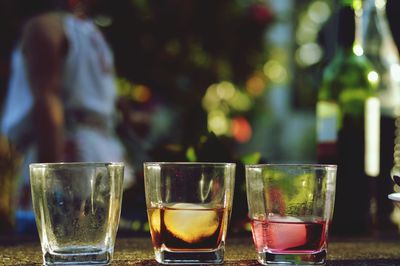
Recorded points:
(290, 207)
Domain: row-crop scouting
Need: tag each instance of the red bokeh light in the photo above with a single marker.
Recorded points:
(241, 129)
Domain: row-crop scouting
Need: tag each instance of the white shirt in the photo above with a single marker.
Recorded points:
(87, 88)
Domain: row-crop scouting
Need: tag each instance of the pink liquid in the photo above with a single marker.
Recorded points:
(288, 236)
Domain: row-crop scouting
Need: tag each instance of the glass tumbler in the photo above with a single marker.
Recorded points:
(77, 208)
(290, 208)
(188, 207)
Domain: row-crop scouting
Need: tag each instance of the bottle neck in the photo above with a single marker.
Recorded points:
(346, 34)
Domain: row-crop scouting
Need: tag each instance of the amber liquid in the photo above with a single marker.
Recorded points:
(186, 227)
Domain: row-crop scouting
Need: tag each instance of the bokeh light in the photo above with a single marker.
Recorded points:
(241, 129)
(218, 123)
(319, 12)
(373, 77)
(275, 71)
(141, 93)
(210, 100)
(308, 54)
(310, 22)
(358, 50)
(135, 92)
(223, 99)
(255, 85)
(240, 102)
(225, 90)
(307, 30)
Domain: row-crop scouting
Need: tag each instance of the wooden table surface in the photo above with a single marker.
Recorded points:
(239, 251)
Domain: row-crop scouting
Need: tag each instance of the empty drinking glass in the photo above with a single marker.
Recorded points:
(77, 208)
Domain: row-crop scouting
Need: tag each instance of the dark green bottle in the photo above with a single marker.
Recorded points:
(348, 128)
(380, 48)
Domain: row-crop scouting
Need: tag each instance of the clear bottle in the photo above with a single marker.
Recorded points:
(348, 126)
(381, 50)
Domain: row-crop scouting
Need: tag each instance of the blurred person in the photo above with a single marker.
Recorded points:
(60, 104)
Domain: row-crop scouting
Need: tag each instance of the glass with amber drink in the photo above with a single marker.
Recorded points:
(188, 207)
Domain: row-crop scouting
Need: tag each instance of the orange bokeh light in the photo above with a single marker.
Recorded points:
(141, 93)
(255, 85)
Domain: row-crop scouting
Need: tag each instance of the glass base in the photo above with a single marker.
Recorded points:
(77, 257)
(199, 257)
(268, 258)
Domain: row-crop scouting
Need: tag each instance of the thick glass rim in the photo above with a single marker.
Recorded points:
(294, 165)
(75, 164)
(188, 164)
